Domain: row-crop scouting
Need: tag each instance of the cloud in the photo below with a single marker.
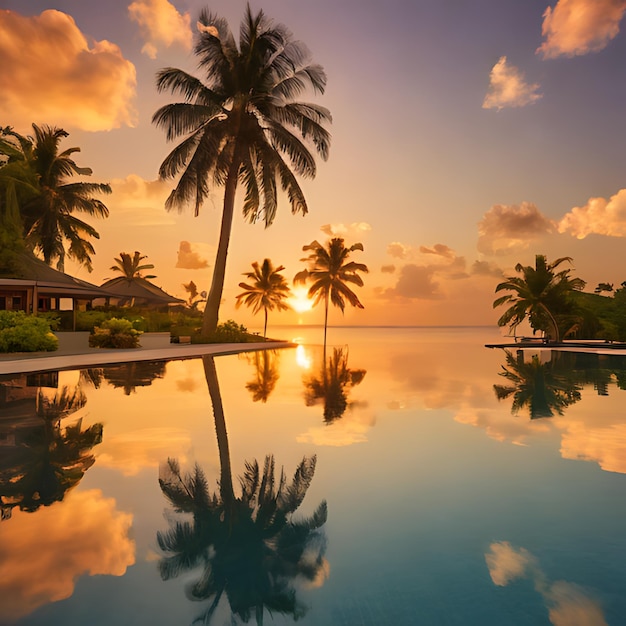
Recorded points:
(505, 228)
(139, 202)
(83, 534)
(161, 25)
(416, 281)
(398, 250)
(506, 564)
(508, 88)
(388, 269)
(486, 268)
(190, 256)
(599, 216)
(577, 27)
(356, 229)
(48, 71)
(438, 249)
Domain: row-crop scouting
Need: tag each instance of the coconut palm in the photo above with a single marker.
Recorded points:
(541, 294)
(248, 546)
(267, 290)
(330, 272)
(132, 267)
(241, 123)
(50, 225)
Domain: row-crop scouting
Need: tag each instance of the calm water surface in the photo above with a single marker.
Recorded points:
(439, 482)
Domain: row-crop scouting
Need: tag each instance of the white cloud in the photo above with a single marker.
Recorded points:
(161, 25)
(356, 229)
(192, 256)
(49, 72)
(508, 87)
(599, 216)
(577, 27)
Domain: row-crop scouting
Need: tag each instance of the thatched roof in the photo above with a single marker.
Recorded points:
(139, 289)
(33, 272)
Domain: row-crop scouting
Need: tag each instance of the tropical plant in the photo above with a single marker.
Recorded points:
(20, 332)
(330, 273)
(542, 388)
(242, 123)
(114, 333)
(267, 290)
(131, 266)
(195, 298)
(249, 547)
(48, 216)
(603, 287)
(542, 294)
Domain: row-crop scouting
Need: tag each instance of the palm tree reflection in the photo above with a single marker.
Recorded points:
(247, 547)
(542, 388)
(266, 374)
(127, 376)
(331, 385)
(47, 460)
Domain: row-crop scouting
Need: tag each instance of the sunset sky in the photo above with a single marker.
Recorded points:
(467, 137)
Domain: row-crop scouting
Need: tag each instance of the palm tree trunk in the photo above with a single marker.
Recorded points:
(226, 476)
(265, 325)
(211, 311)
(325, 326)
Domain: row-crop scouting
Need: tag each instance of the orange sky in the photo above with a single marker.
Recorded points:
(464, 141)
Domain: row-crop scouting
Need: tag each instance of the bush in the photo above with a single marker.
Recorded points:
(25, 333)
(115, 333)
(228, 332)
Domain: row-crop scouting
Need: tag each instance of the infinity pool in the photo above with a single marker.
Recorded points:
(427, 480)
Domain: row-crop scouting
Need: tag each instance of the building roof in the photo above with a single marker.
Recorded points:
(34, 272)
(139, 289)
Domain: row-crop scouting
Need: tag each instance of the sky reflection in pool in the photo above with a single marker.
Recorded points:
(443, 506)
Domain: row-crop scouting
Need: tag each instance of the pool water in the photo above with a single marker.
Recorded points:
(439, 482)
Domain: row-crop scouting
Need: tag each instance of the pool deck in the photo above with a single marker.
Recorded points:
(589, 347)
(74, 353)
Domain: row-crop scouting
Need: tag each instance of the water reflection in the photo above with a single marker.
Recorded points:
(331, 385)
(547, 383)
(126, 376)
(567, 603)
(266, 367)
(41, 459)
(247, 547)
(542, 388)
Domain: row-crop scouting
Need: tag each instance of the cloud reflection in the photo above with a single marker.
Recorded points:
(44, 553)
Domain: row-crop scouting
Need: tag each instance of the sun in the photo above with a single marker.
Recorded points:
(299, 301)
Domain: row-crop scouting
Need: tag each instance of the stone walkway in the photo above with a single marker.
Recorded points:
(74, 352)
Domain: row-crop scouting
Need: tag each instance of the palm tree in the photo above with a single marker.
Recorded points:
(239, 124)
(266, 374)
(249, 547)
(267, 291)
(48, 217)
(541, 294)
(131, 267)
(330, 272)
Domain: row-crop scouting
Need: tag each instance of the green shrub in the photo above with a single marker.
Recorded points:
(25, 333)
(115, 333)
(228, 332)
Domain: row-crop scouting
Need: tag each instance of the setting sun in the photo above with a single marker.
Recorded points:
(299, 300)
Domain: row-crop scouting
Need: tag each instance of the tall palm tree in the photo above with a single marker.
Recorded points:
(132, 267)
(540, 293)
(266, 374)
(48, 217)
(242, 123)
(330, 272)
(249, 547)
(267, 291)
